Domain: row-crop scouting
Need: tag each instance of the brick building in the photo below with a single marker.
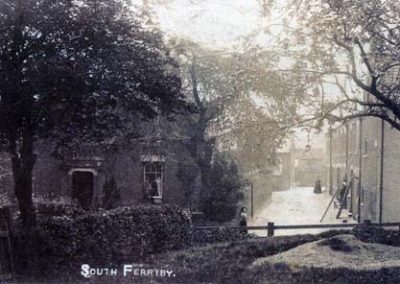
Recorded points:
(147, 169)
(366, 151)
(141, 174)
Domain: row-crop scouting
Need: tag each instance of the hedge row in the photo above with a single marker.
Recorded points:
(217, 234)
(44, 209)
(377, 235)
(60, 245)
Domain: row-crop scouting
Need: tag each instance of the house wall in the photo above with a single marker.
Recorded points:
(53, 176)
(309, 166)
(348, 143)
(391, 175)
(370, 153)
(280, 179)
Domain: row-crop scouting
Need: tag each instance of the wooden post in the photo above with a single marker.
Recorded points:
(270, 229)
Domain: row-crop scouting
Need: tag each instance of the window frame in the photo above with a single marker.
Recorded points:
(158, 174)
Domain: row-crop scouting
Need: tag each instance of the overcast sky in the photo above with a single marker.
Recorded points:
(213, 22)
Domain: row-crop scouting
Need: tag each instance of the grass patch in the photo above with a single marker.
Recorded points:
(227, 262)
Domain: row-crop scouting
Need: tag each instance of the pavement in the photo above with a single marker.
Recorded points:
(297, 206)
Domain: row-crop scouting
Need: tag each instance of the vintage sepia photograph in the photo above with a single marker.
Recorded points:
(200, 141)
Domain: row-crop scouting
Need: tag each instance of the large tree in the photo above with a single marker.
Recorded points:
(208, 83)
(242, 109)
(349, 50)
(76, 69)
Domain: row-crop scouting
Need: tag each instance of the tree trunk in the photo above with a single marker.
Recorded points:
(23, 160)
(204, 163)
(201, 151)
(23, 192)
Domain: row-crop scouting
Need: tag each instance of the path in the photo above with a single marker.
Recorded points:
(297, 206)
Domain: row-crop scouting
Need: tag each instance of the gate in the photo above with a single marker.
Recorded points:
(6, 262)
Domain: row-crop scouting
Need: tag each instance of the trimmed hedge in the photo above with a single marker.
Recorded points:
(58, 209)
(214, 235)
(377, 235)
(60, 245)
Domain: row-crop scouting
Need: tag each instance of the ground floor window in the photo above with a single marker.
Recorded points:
(153, 180)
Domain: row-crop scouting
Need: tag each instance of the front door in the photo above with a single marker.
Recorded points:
(82, 188)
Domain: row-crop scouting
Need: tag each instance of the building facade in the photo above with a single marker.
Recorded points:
(308, 167)
(139, 173)
(366, 152)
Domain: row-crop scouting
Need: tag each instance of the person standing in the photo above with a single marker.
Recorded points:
(243, 220)
(317, 187)
(341, 196)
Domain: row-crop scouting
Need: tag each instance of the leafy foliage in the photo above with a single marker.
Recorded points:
(71, 62)
(211, 235)
(220, 202)
(114, 237)
(77, 71)
(349, 51)
(6, 181)
(50, 209)
(242, 108)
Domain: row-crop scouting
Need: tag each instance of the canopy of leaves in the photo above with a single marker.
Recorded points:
(244, 104)
(81, 68)
(221, 202)
(353, 45)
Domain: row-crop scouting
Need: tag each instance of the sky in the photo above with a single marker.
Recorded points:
(211, 22)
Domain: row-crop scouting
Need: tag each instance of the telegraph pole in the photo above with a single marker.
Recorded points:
(330, 159)
(381, 177)
(252, 200)
(359, 172)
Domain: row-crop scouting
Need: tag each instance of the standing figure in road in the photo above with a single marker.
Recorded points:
(243, 220)
(342, 191)
(317, 187)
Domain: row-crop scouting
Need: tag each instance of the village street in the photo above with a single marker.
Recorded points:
(297, 206)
